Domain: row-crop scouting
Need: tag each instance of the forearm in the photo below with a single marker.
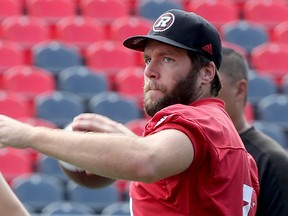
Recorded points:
(110, 155)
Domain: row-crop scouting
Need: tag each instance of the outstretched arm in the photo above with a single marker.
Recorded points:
(116, 156)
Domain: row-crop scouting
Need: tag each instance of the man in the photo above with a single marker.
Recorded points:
(191, 160)
(271, 158)
(9, 203)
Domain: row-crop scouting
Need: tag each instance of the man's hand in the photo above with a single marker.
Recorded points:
(14, 133)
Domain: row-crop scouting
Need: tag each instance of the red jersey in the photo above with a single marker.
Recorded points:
(221, 180)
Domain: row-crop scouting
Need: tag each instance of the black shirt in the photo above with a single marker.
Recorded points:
(272, 162)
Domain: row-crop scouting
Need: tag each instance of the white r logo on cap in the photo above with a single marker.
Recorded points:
(164, 22)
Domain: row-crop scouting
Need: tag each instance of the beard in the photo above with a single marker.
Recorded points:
(184, 92)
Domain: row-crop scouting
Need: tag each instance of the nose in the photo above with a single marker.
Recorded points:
(152, 70)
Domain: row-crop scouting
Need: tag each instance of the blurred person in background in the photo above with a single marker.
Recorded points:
(270, 156)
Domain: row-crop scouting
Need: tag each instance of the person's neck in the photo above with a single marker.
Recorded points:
(242, 125)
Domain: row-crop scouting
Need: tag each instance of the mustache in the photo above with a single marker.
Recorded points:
(153, 86)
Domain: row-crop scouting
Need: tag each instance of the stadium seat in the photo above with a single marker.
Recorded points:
(152, 9)
(109, 57)
(59, 107)
(130, 82)
(50, 10)
(28, 81)
(114, 106)
(260, 86)
(14, 162)
(280, 32)
(70, 208)
(244, 34)
(274, 109)
(237, 48)
(268, 13)
(95, 198)
(137, 125)
(116, 209)
(127, 26)
(11, 54)
(14, 105)
(10, 8)
(269, 58)
(274, 131)
(79, 31)
(105, 11)
(25, 30)
(226, 11)
(55, 56)
(81, 81)
(50, 166)
(38, 190)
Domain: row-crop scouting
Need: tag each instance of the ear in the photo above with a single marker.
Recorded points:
(242, 88)
(208, 72)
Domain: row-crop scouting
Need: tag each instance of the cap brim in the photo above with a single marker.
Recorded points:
(139, 42)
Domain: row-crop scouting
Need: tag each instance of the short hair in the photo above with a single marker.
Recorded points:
(200, 61)
(234, 65)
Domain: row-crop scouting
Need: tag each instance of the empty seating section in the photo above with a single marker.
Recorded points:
(244, 34)
(50, 10)
(10, 8)
(14, 162)
(152, 9)
(129, 82)
(82, 81)
(38, 190)
(14, 105)
(117, 107)
(11, 54)
(26, 30)
(110, 57)
(55, 56)
(79, 31)
(59, 107)
(60, 58)
(270, 58)
(267, 13)
(127, 26)
(226, 11)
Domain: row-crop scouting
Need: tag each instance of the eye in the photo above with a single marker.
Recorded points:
(147, 61)
(167, 59)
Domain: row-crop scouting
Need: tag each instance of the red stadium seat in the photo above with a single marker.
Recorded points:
(28, 80)
(127, 26)
(10, 8)
(14, 105)
(217, 12)
(25, 30)
(109, 57)
(137, 125)
(280, 32)
(14, 162)
(11, 54)
(239, 49)
(268, 13)
(105, 10)
(79, 31)
(50, 10)
(129, 82)
(269, 58)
